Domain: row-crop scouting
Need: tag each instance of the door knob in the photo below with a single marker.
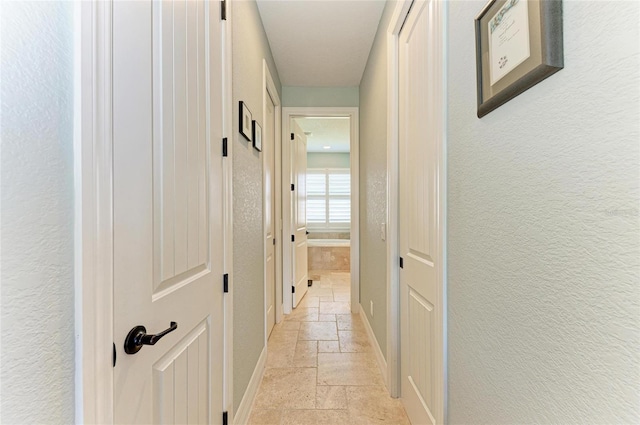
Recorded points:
(138, 337)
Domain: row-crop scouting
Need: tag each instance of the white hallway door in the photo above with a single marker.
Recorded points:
(420, 291)
(270, 211)
(299, 201)
(168, 217)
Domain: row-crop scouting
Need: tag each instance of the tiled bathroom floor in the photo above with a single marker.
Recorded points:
(321, 368)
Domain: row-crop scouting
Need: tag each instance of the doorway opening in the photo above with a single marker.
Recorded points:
(322, 206)
(328, 206)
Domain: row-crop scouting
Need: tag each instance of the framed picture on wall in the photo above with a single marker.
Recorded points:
(257, 136)
(245, 121)
(518, 44)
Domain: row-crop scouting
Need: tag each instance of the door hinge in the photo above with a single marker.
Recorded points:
(114, 354)
(225, 418)
(401, 263)
(293, 289)
(223, 10)
(293, 187)
(224, 147)
(274, 241)
(292, 136)
(225, 283)
(293, 238)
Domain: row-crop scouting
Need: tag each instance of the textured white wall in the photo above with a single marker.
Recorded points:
(37, 307)
(250, 46)
(319, 96)
(373, 182)
(544, 235)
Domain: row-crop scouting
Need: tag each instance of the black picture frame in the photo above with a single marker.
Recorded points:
(257, 136)
(546, 53)
(245, 121)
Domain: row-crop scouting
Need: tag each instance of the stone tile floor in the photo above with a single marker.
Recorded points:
(321, 368)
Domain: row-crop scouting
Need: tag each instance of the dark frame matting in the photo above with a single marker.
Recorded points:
(551, 55)
(242, 110)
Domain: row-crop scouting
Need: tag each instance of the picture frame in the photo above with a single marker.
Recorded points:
(257, 136)
(518, 44)
(245, 121)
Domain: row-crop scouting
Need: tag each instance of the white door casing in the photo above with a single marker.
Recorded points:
(299, 208)
(168, 210)
(288, 115)
(421, 226)
(272, 192)
(269, 209)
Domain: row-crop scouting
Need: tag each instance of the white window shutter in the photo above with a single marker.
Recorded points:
(328, 199)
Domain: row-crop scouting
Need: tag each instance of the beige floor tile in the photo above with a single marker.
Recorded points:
(303, 314)
(315, 417)
(306, 354)
(282, 357)
(334, 307)
(341, 297)
(287, 388)
(348, 369)
(282, 338)
(326, 318)
(373, 405)
(328, 347)
(341, 289)
(331, 397)
(320, 292)
(354, 342)
(309, 301)
(328, 298)
(265, 417)
(340, 279)
(281, 348)
(309, 381)
(348, 322)
(325, 331)
(286, 325)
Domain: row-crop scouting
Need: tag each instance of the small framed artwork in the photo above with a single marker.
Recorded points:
(245, 121)
(257, 136)
(518, 44)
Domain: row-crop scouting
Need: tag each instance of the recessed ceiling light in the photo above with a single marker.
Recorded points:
(326, 147)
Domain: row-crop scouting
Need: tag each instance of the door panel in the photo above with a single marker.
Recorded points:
(270, 204)
(180, 380)
(418, 213)
(181, 191)
(299, 149)
(168, 245)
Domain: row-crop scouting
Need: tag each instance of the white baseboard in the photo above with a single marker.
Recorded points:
(382, 363)
(244, 410)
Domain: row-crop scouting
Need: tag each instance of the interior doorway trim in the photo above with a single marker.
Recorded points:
(269, 90)
(93, 222)
(293, 112)
(393, 172)
(227, 175)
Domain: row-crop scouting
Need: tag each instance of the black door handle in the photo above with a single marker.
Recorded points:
(138, 337)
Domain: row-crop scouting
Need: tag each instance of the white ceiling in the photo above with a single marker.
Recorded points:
(320, 43)
(333, 132)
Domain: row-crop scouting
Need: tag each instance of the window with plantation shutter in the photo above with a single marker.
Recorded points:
(328, 199)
